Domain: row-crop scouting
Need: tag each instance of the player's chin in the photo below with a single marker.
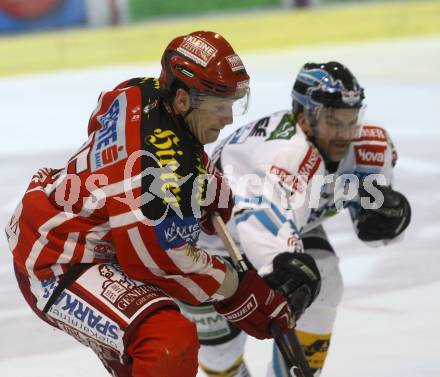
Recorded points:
(212, 135)
(337, 152)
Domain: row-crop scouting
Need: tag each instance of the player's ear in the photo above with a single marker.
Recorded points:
(181, 102)
(304, 124)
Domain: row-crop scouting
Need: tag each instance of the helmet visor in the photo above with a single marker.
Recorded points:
(221, 106)
(339, 124)
(334, 129)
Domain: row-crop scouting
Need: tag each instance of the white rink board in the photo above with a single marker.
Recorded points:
(389, 321)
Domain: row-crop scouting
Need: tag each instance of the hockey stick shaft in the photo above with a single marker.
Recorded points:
(290, 348)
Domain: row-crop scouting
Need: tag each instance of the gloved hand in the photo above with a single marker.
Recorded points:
(386, 222)
(218, 189)
(254, 306)
(297, 277)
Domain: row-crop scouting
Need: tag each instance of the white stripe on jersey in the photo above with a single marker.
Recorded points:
(96, 197)
(39, 244)
(145, 256)
(200, 265)
(60, 218)
(56, 269)
(69, 248)
(121, 186)
(127, 218)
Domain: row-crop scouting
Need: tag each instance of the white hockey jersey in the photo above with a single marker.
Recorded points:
(282, 187)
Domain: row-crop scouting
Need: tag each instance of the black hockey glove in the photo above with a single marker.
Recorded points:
(297, 277)
(386, 222)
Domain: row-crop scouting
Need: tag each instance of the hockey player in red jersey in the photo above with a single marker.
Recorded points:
(103, 247)
(301, 167)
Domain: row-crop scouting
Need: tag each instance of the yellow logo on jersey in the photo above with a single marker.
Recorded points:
(201, 182)
(167, 142)
(155, 80)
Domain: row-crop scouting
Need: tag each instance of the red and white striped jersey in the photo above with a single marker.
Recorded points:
(129, 193)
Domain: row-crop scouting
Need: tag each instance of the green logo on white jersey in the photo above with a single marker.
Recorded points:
(285, 129)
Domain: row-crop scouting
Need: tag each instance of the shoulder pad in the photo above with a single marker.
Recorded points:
(137, 81)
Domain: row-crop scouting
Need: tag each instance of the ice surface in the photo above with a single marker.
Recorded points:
(389, 321)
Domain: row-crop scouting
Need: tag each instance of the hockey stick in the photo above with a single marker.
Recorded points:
(288, 345)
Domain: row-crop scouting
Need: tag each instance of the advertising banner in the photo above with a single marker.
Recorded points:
(26, 15)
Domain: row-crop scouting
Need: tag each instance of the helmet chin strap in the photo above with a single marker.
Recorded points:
(190, 110)
(188, 129)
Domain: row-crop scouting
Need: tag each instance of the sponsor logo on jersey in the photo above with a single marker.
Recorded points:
(104, 250)
(210, 324)
(289, 180)
(174, 232)
(127, 295)
(235, 62)
(285, 129)
(48, 286)
(135, 113)
(196, 254)
(200, 182)
(260, 127)
(309, 164)
(197, 49)
(373, 155)
(373, 133)
(103, 351)
(109, 146)
(77, 313)
(166, 143)
(152, 80)
(188, 232)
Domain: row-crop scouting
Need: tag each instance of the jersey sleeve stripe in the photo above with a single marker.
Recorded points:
(69, 248)
(41, 242)
(145, 256)
(127, 218)
(57, 269)
(197, 264)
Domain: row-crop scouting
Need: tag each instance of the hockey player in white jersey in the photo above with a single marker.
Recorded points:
(289, 171)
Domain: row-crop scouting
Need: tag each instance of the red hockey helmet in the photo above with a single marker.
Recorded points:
(207, 64)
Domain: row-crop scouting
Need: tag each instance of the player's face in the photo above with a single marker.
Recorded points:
(206, 125)
(335, 130)
(212, 115)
